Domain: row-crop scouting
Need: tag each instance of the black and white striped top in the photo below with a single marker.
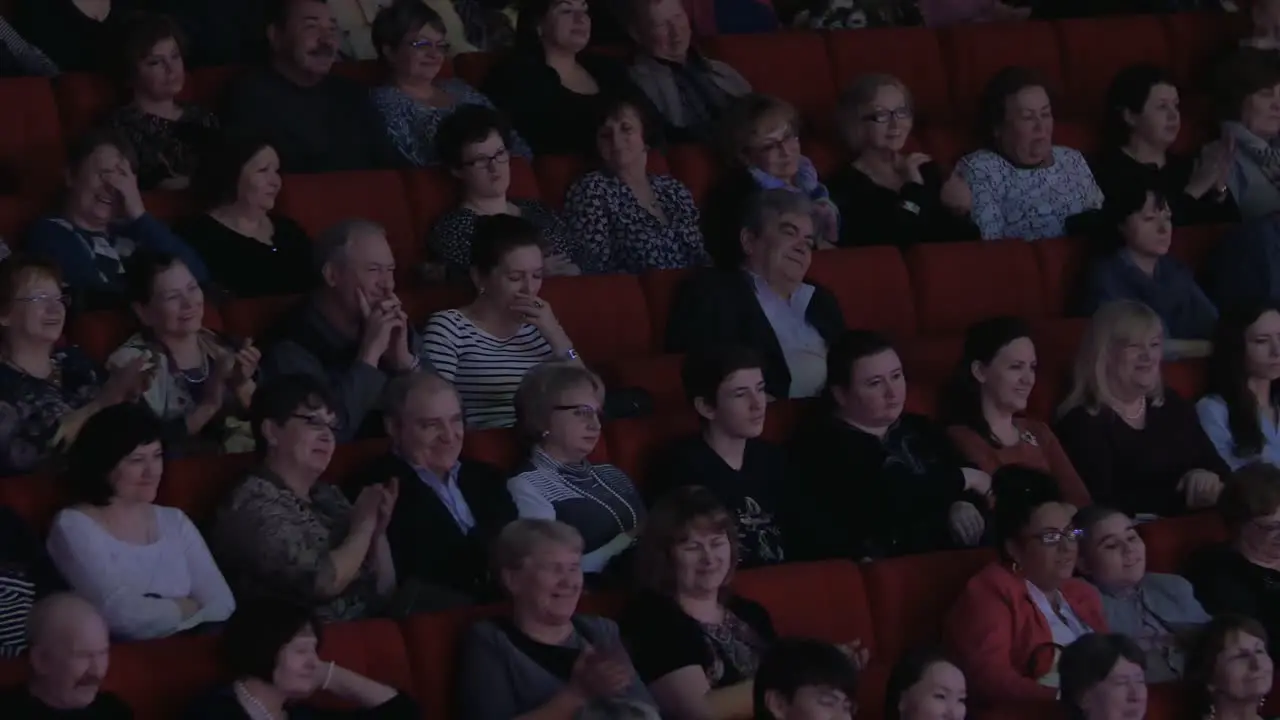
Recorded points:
(17, 595)
(486, 370)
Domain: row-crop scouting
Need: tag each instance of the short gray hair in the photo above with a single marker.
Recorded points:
(401, 386)
(332, 242)
(617, 709)
(521, 538)
(766, 205)
(540, 392)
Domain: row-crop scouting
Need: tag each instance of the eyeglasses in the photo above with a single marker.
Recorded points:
(42, 299)
(1049, 538)
(315, 422)
(776, 145)
(502, 157)
(584, 413)
(1266, 528)
(440, 46)
(880, 117)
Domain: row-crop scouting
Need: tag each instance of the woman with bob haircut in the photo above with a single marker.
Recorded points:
(270, 646)
(1137, 446)
(1231, 671)
(1102, 677)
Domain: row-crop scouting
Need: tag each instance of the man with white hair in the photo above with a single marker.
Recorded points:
(69, 654)
(353, 333)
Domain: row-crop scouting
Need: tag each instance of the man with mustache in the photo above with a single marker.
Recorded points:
(316, 121)
(69, 649)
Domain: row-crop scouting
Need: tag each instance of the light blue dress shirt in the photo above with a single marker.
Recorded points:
(1212, 410)
(802, 345)
(450, 494)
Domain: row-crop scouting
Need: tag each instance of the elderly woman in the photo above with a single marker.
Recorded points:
(47, 390)
(485, 348)
(103, 220)
(1010, 622)
(558, 414)
(628, 220)
(1240, 411)
(473, 143)
(144, 566)
(899, 198)
(872, 481)
(545, 659)
(1248, 95)
(442, 526)
(1142, 122)
(271, 647)
(1231, 669)
(169, 137)
(250, 249)
(410, 38)
(202, 385)
(1158, 611)
(1136, 444)
(985, 402)
(925, 685)
(1102, 678)
(283, 533)
(1024, 186)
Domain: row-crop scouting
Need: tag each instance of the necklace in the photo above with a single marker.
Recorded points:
(553, 472)
(256, 708)
(1137, 413)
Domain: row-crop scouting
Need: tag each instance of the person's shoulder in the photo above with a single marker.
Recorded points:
(1212, 404)
(984, 160)
(590, 181)
(1070, 155)
(171, 517)
(451, 321)
(1168, 584)
(598, 629)
(253, 82)
(109, 705)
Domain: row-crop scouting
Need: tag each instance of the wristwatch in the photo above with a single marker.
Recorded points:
(572, 354)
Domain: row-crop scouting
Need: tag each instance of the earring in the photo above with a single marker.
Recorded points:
(545, 433)
(480, 291)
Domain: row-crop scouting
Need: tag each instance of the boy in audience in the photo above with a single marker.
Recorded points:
(803, 679)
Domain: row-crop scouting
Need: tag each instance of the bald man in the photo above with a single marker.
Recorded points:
(69, 648)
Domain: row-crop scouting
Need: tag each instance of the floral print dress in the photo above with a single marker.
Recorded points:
(166, 148)
(622, 236)
(31, 408)
(412, 126)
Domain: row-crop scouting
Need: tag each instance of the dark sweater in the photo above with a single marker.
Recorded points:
(18, 703)
(1228, 584)
(1114, 169)
(1171, 291)
(71, 39)
(247, 268)
(910, 215)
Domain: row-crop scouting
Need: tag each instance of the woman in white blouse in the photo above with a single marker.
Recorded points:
(1024, 186)
(143, 566)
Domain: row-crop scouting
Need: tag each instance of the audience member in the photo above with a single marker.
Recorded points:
(869, 481)
(170, 138)
(352, 334)
(317, 121)
(1138, 231)
(925, 685)
(628, 220)
(47, 389)
(1136, 444)
(558, 415)
(1142, 122)
(899, 198)
(77, 36)
(69, 655)
(485, 348)
(941, 13)
(544, 657)
(19, 58)
(26, 575)
(1231, 668)
(1008, 625)
(725, 386)
(1241, 270)
(144, 566)
(283, 533)
(220, 32)
(1264, 26)
(1248, 88)
(1156, 610)
(551, 89)
(102, 221)
(1102, 678)
(442, 524)
(271, 647)
(802, 679)
(985, 402)
(251, 250)
(759, 298)
(1024, 186)
(202, 384)
(410, 39)
(1239, 409)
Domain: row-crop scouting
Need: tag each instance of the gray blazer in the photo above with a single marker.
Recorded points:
(1162, 603)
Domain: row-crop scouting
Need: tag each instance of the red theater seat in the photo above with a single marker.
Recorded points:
(373, 648)
(658, 375)
(197, 485)
(1185, 377)
(257, 317)
(659, 290)
(605, 315)
(1194, 246)
(872, 286)
(1062, 266)
(350, 458)
(317, 202)
(170, 205)
(158, 679)
(205, 86)
(16, 213)
(474, 67)
(635, 444)
(1171, 541)
(36, 498)
(789, 65)
(31, 139)
(84, 100)
(695, 166)
(974, 53)
(524, 181)
(1201, 39)
(434, 644)
(910, 54)
(957, 284)
(431, 193)
(556, 174)
(420, 302)
(1096, 49)
(370, 72)
(930, 359)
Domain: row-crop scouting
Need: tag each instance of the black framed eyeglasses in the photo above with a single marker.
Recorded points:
(1050, 538)
(880, 117)
(583, 412)
(315, 422)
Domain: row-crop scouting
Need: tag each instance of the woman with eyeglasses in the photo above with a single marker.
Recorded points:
(474, 144)
(1008, 628)
(899, 197)
(558, 412)
(410, 40)
(282, 533)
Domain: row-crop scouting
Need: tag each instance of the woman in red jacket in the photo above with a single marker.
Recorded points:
(1010, 624)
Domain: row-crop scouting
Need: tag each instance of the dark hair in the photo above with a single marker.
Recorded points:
(1242, 75)
(496, 235)
(1019, 492)
(994, 101)
(650, 129)
(795, 663)
(908, 671)
(848, 349)
(142, 33)
(400, 19)
(1121, 202)
(1090, 515)
(1128, 92)
(468, 125)
(18, 270)
(1088, 661)
(741, 119)
(962, 399)
(1228, 378)
(107, 438)
(258, 630)
(704, 370)
(528, 21)
(141, 270)
(668, 525)
(277, 400)
(85, 145)
(217, 180)
(1208, 644)
(278, 12)
(1251, 492)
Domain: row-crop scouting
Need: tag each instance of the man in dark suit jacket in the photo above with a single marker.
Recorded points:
(449, 509)
(762, 301)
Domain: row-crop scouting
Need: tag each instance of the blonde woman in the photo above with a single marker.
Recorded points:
(1137, 445)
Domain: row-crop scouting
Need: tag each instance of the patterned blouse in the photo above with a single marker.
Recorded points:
(166, 148)
(30, 407)
(269, 541)
(623, 236)
(412, 125)
(1028, 203)
(450, 238)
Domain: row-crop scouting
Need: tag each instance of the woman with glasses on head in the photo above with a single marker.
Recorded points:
(1013, 618)
(558, 414)
(900, 198)
(283, 533)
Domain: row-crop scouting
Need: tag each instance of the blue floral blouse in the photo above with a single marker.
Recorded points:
(1028, 203)
(30, 408)
(620, 236)
(412, 125)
